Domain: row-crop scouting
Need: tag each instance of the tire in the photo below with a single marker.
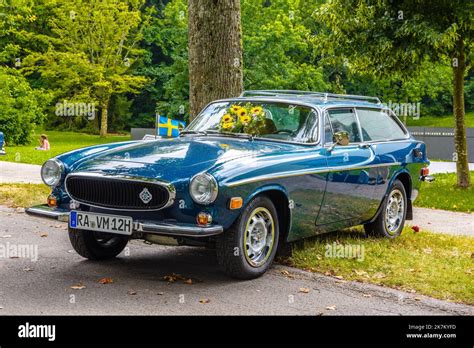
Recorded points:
(234, 250)
(391, 219)
(96, 246)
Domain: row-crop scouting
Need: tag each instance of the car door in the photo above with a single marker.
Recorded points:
(349, 197)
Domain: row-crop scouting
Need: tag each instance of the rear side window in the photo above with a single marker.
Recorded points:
(378, 125)
(345, 120)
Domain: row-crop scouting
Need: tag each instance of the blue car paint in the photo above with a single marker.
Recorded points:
(321, 191)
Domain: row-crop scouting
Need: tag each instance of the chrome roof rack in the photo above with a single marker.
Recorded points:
(307, 94)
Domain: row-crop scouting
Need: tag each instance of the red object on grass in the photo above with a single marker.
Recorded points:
(415, 228)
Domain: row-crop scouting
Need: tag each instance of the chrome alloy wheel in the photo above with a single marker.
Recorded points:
(259, 236)
(394, 212)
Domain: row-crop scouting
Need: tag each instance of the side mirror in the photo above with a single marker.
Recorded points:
(340, 138)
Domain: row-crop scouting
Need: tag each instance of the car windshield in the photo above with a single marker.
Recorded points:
(279, 121)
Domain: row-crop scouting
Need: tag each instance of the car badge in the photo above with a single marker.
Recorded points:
(145, 196)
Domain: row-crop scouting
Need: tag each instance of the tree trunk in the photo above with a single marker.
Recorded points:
(215, 52)
(104, 105)
(460, 142)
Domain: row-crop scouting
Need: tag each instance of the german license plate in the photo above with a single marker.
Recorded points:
(102, 223)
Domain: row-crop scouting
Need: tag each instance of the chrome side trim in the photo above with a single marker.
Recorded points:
(307, 172)
(169, 187)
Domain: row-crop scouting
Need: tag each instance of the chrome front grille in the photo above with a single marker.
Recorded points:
(119, 192)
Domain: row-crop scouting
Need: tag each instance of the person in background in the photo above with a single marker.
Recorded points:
(44, 143)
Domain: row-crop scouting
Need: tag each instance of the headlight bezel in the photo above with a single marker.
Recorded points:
(60, 171)
(212, 193)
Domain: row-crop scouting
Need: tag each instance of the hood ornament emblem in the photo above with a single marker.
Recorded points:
(145, 196)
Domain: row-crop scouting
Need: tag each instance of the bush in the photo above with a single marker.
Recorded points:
(21, 107)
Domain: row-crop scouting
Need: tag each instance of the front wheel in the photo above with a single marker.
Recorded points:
(247, 249)
(391, 219)
(96, 245)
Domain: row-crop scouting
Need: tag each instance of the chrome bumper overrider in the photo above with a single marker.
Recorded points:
(162, 228)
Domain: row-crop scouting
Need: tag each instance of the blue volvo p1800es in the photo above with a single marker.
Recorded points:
(248, 176)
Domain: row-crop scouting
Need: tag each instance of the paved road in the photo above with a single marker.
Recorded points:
(443, 221)
(139, 287)
(445, 167)
(12, 172)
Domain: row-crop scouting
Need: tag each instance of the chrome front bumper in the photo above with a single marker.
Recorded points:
(171, 229)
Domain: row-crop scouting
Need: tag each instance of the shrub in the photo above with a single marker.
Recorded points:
(21, 107)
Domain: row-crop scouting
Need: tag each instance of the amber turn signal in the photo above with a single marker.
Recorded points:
(204, 218)
(236, 203)
(52, 201)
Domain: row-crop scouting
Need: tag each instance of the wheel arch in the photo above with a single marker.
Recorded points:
(279, 197)
(404, 177)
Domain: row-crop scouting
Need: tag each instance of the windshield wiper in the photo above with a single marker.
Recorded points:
(230, 134)
(192, 132)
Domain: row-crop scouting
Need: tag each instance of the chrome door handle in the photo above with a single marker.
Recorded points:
(364, 146)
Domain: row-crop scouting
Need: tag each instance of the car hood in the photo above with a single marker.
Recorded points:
(179, 158)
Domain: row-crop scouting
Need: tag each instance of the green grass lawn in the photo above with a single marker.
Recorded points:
(443, 194)
(432, 264)
(60, 142)
(442, 121)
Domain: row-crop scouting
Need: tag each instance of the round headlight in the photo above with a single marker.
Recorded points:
(203, 188)
(51, 172)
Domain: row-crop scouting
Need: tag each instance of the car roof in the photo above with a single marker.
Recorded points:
(315, 99)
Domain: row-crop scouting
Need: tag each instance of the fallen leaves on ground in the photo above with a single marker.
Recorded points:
(304, 290)
(174, 277)
(106, 281)
(79, 286)
(331, 308)
(287, 274)
(204, 300)
(44, 234)
(367, 295)
(131, 292)
(379, 275)
(361, 273)
(415, 228)
(27, 269)
(160, 293)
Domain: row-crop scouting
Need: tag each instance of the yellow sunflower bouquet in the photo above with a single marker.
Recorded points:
(243, 119)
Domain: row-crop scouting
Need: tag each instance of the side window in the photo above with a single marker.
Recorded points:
(378, 125)
(345, 120)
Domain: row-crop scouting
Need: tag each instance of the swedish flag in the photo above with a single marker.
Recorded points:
(166, 127)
